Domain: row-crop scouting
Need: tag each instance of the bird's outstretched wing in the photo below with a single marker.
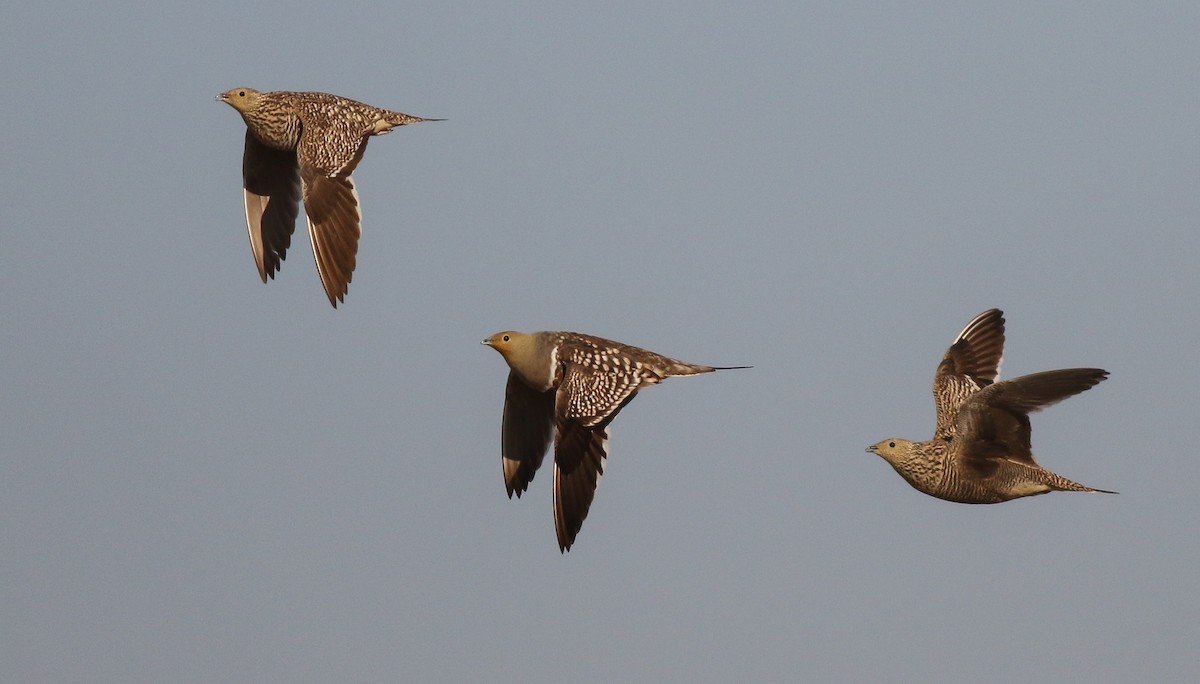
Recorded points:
(525, 435)
(327, 154)
(971, 363)
(580, 457)
(334, 227)
(993, 424)
(271, 180)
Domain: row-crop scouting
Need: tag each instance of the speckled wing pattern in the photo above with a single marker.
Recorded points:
(970, 364)
(332, 143)
(592, 396)
(993, 424)
(525, 435)
(271, 181)
(600, 376)
(597, 381)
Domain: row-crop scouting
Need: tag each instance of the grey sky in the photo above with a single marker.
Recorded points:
(205, 479)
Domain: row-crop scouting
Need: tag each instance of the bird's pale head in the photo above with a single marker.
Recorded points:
(524, 353)
(241, 99)
(511, 344)
(893, 450)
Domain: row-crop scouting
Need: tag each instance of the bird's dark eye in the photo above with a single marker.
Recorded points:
(505, 338)
(241, 93)
(892, 445)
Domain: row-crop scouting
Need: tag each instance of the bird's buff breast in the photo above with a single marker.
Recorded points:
(281, 133)
(923, 475)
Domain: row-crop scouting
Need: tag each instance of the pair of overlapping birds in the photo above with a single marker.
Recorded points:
(569, 386)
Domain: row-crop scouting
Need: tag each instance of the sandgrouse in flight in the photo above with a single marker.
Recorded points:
(980, 452)
(574, 385)
(306, 143)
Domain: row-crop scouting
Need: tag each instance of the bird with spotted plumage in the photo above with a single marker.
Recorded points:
(306, 144)
(570, 386)
(981, 451)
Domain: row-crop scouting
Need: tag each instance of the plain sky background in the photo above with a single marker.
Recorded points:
(205, 479)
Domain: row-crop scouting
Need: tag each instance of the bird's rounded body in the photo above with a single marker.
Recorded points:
(981, 451)
(568, 387)
(279, 118)
(306, 143)
(930, 469)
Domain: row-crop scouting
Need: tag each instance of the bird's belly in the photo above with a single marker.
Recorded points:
(1027, 489)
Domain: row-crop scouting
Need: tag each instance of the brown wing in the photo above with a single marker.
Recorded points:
(993, 424)
(327, 155)
(970, 364)
(334, 227)
(580, 456)
(525, 435)
(271, 180)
